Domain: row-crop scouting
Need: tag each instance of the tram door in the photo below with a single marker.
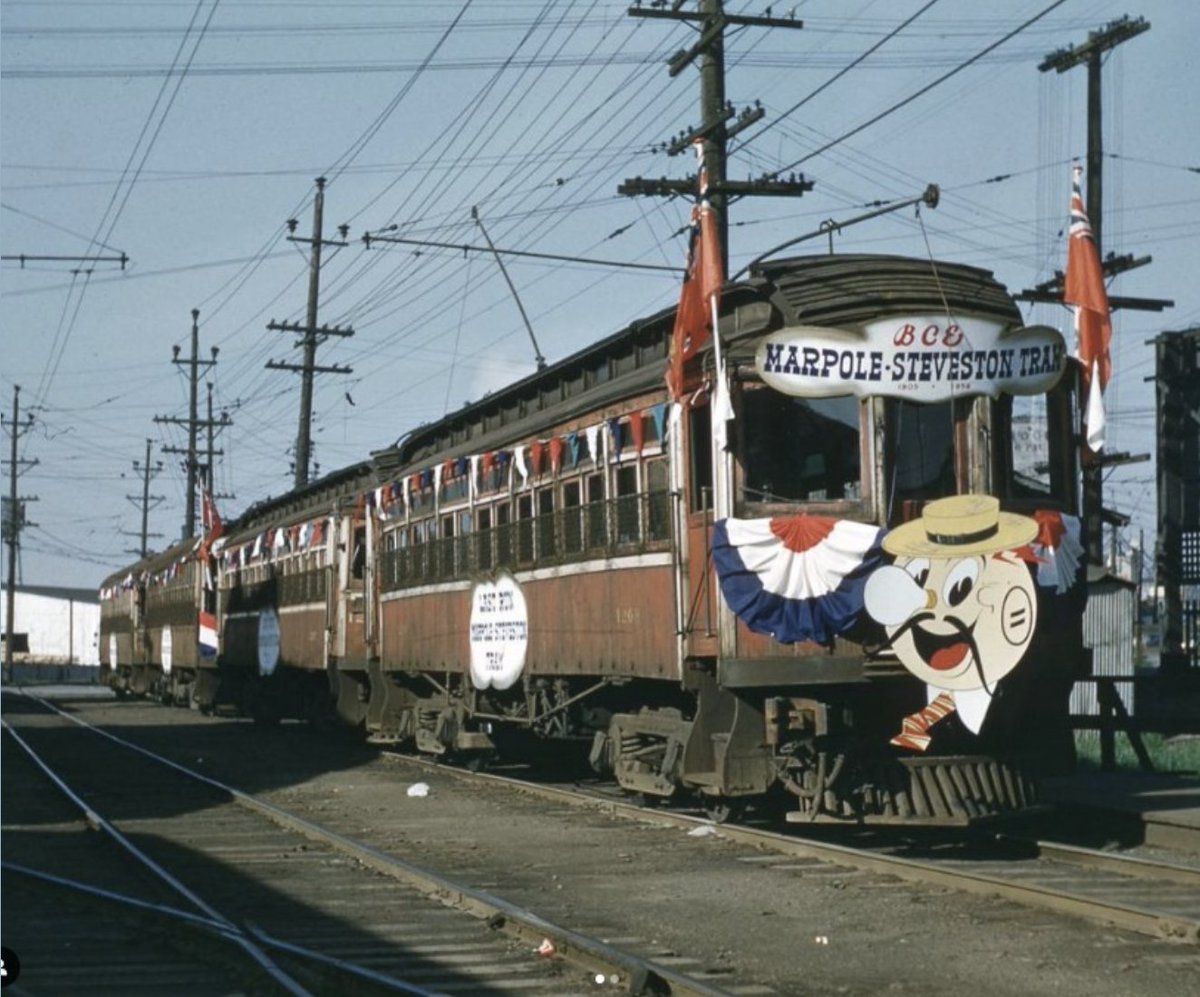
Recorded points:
(350, 641)
(701, 595)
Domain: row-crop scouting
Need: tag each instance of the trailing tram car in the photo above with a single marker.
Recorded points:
(154, 640)
(290, 598)
(582, 556)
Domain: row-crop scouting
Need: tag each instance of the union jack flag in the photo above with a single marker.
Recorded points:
(1084, 288)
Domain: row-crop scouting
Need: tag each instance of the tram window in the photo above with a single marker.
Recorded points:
(359, 562)
(597, 533)
(572, 528)
(658, 510)
(627, 503)
(503, 533)
(545, 525)
(801, 449)
(525, 528)
(483, 539)
(700, 441)
(921, 449)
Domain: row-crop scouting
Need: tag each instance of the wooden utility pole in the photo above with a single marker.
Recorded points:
(12, 522)
(311, 333)
(712, 20)
(147, 471)
(1089, 54)
(193, 421)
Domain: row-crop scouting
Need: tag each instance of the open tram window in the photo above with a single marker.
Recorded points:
(801, 449)
(358, 561)
(1036, 448)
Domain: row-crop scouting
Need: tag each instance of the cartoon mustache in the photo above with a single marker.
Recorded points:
(965, 632)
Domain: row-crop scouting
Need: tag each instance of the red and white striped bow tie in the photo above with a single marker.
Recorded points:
(914, 730)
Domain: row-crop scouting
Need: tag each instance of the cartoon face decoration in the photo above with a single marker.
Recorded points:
(957, 623)
(959, 605)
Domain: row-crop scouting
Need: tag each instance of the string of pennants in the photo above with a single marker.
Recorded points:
(274, 540)
(530, 461)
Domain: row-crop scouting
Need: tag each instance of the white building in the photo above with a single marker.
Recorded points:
(54, 626)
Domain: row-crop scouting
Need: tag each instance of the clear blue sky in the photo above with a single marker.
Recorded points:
(534, 112)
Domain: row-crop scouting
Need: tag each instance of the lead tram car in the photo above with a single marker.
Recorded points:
(544, 559)
(580, 557)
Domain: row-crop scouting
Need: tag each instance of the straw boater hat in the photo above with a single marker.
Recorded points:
(960, 526)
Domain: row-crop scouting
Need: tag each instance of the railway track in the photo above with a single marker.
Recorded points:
(233, 894)
(723, 906)
(1151, 897)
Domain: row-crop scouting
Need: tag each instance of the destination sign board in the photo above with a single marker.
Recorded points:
(920, 358)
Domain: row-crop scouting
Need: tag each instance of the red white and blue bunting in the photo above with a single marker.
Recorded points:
(796, 578)
(523, 464)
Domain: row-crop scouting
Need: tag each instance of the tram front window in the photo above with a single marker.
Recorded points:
(921, 444)
(801, 449)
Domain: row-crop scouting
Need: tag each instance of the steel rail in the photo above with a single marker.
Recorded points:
(220, 929)
(592, 954)
(1124, 915)
(98, 822)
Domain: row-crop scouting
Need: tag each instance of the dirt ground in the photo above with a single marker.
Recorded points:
(794, 926)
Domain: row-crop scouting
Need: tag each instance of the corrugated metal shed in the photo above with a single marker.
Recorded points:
(1108, 629)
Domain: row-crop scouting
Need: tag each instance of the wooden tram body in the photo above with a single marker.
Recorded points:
(583, 500)
(149, 627)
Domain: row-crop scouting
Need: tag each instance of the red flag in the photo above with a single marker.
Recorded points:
(1084, 288)
(701, 289)
(709, 266)
(210, 519)
(638, 428)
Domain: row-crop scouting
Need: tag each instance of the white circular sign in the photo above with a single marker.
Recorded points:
(499, 633)
(268, 642)
(167, 646)
(112, 651)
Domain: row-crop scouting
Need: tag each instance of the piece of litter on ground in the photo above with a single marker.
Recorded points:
(703, 831)
(546, 949)
(418, 789)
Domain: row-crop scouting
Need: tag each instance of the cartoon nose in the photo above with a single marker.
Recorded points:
(892, 595)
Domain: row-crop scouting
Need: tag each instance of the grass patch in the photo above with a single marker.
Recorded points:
(1176, 755)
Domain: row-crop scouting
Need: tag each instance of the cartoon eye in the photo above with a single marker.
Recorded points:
(918, 567)
(960, 581)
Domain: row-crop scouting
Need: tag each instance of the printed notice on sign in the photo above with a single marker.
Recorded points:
(919, 358)
(499, 633)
